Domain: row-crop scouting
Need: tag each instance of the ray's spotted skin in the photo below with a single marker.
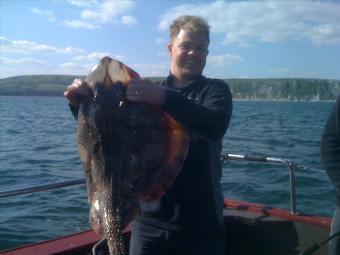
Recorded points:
(129, 150)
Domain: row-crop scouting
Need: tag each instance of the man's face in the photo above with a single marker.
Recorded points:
(188, 52)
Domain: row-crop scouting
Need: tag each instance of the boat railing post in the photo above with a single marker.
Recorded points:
(97, 249)
(292, 188)
(292, 180)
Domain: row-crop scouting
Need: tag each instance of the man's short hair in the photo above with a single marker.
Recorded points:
(191, 23)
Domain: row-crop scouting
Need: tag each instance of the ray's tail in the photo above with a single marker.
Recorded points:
(112, 221)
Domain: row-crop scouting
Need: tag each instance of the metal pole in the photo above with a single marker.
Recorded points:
(28, 190)
(293, 209)
(292, 189)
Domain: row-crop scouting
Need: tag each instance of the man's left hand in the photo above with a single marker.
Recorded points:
(145, 91)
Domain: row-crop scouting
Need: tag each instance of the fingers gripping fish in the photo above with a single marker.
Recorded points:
(129, 151)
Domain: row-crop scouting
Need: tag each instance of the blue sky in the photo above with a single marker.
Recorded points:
(249, 39)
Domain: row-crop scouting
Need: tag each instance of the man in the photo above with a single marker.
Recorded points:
(188, 219)
(330, 157)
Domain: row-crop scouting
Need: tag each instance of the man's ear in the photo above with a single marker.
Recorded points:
(169, 49)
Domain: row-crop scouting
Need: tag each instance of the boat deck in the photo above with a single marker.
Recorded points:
(250, 229)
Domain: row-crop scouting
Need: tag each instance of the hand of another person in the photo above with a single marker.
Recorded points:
(145, 91)
(78, 88)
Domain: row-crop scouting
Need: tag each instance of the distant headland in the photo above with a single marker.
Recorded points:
(288, 89)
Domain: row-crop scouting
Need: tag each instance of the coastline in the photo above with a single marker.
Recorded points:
(266, 89)
(234, 99)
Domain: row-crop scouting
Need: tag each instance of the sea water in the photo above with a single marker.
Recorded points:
(38, 146)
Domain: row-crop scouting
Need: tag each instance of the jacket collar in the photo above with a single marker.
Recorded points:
(169, 82)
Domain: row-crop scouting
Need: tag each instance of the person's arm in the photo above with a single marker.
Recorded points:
(210, 119)
(330, 145)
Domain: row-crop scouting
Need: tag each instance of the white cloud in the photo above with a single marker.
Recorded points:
(22, 61)
(269, 21)
(28, 47)
(21, 66)
(95, 14)
(129, 20)
(76, 61)
(81, 24)
(48, 15)
(83, 64)
(13, 67)
(75, 68)
(149, 70)
(82, 3)
(74, 65)
(98, 13)
(224, 59)
(104, 12)
(119, 57)
(324, 34)
(94, 56)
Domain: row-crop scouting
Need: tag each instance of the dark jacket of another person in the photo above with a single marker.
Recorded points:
(330, 148)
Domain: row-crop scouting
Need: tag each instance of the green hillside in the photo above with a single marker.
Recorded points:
(248, 89)
(35, 85)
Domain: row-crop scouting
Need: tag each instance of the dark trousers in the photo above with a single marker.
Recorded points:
(150, 240)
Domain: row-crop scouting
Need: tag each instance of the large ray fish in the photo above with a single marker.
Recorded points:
(129, 151)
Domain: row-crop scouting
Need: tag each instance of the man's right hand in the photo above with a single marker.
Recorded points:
(78, 88)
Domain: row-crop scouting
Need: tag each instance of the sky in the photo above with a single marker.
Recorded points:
(248, 39)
